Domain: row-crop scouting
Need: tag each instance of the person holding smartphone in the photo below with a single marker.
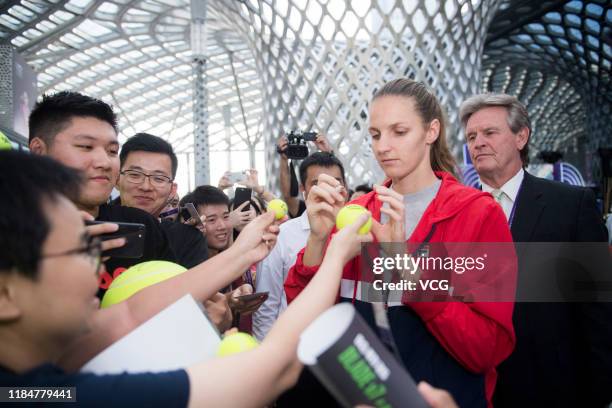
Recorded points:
(248, 178)
(48, 306)
(81, 132)
(213, 205)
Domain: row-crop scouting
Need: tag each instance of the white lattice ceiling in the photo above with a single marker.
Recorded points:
(135, 54)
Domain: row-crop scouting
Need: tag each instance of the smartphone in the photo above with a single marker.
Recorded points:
(134, 235)
(189, 212)
(236, 176)
(253, 300)
(242, 194)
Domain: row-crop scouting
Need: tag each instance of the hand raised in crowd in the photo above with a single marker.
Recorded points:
(322, 205)
(219, 312)
(105, 228)
(394, 229)
(323, 144)
(281, 146)
(346, 243)
(244, 289)
(238, 218)
(257, 238)
(224, 181)
(252, 181)
(250, 216)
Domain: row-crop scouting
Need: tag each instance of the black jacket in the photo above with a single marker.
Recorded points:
(156, 245)
(563, 354)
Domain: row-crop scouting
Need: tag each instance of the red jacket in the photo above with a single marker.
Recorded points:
(478, 335)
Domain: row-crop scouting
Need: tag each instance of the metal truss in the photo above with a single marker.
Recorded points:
(555, 56)
(315, 64)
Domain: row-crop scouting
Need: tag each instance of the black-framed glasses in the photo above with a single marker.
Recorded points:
(92, 248)
(138, 177)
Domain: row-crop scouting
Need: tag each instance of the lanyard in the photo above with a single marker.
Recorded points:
(511, 218)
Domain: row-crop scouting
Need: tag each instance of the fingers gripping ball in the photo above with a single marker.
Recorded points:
(279, 207)
(137, 278)
(349, 214)
(236, 343)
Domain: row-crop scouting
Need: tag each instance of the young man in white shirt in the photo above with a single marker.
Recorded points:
(272, 271)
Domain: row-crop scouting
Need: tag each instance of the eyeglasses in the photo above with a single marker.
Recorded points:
(92, 248)
(138, 177)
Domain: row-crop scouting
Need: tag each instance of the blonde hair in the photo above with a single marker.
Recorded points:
(428, 108)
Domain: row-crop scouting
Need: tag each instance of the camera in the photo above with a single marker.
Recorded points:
(296, 146)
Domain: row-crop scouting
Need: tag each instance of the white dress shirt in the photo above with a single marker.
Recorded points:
(510, 190)
(272, 272)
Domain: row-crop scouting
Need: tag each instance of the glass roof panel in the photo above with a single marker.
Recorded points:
(136, 55)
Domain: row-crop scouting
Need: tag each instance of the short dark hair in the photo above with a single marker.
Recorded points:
(323, 159)
(53, 113)
(364, 188)
(29, 181)
(206, 195)
(144, 142)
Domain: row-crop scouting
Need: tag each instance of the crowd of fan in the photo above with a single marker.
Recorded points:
(52, 274)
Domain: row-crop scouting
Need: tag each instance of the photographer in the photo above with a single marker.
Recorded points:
(81, 132)
(295, 205)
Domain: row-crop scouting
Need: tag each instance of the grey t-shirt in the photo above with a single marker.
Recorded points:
(415, 205)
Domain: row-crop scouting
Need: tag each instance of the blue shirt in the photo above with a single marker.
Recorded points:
(168, 389)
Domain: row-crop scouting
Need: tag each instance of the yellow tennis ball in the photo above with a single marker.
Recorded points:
(5, 143)
(349, 214)
(236, 343)
(137, 278)
(279, 207)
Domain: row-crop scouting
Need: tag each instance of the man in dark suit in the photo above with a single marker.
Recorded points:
(563, 354)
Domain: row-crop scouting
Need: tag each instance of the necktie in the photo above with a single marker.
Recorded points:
(498, 195)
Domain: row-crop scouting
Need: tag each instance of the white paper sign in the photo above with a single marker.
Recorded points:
(177, 337)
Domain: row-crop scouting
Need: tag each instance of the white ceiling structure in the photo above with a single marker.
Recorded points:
(135, 55)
